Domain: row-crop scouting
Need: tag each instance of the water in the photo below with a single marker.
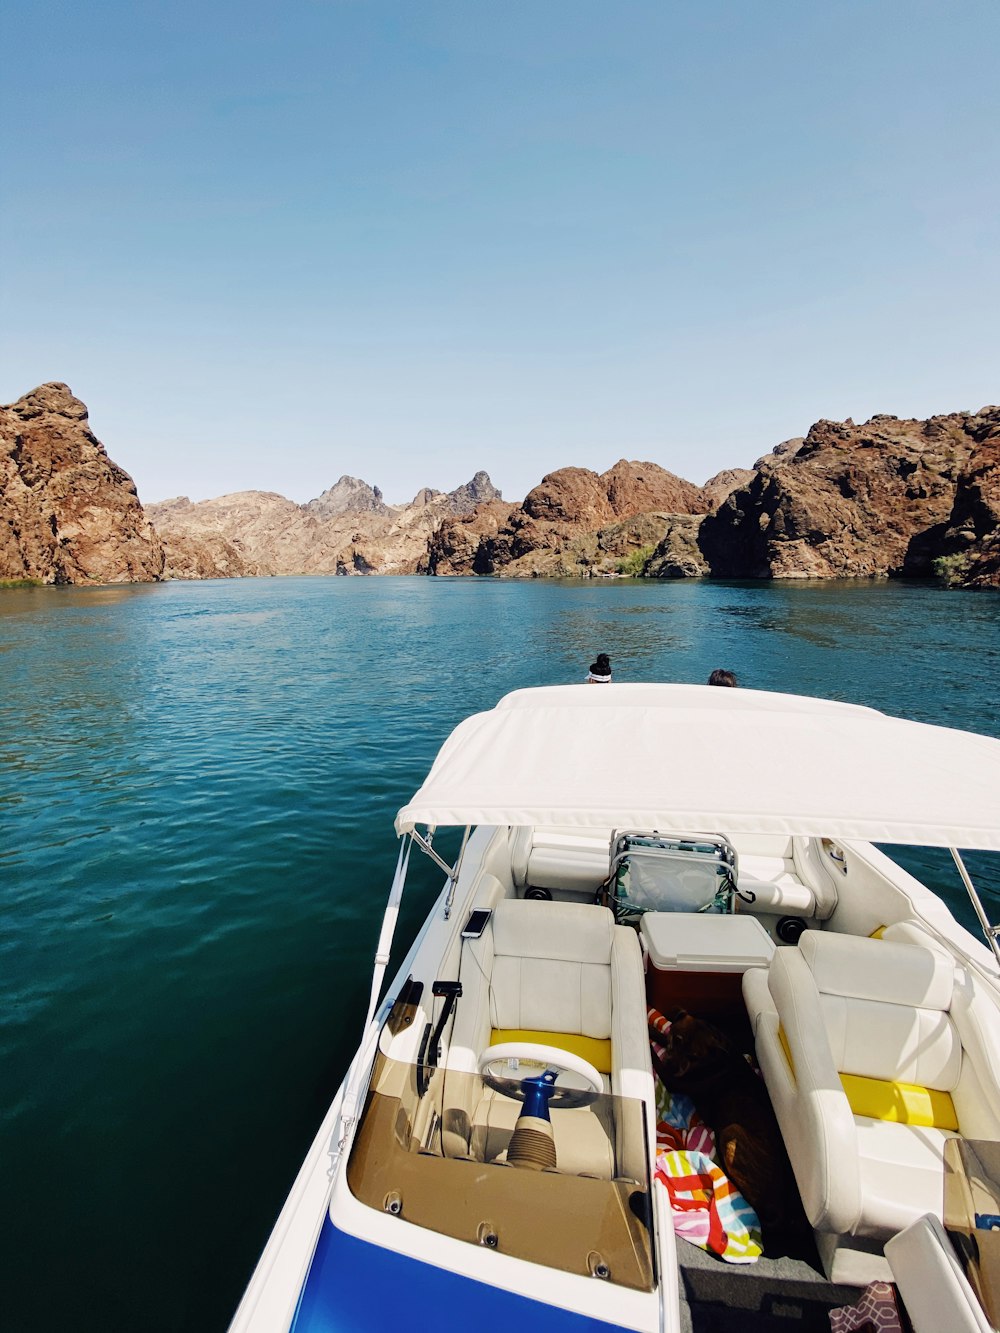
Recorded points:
(196, 805)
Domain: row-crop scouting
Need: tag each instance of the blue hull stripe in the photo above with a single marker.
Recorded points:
(356, 1287)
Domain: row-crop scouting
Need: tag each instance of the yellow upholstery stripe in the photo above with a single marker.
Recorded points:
(593, 1049)
(884, 1099)
(784, 1046)
(905, 1103)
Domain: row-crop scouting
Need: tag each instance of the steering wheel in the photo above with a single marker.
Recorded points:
(505, 1067)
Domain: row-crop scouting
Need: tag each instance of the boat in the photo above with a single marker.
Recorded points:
(491, 1157)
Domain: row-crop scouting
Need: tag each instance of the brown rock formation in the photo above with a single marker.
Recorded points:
(886, 498)
(233, 536)
(722, 485)
(454, 546)
(617, 549)
(966, 551)
(678, 554)
(852, 502)
(347, 530)
(480, 490)
(783, 452)
(568, 507)
(348, 495)
(68, 514)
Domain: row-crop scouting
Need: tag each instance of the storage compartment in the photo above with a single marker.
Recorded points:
(696, 960)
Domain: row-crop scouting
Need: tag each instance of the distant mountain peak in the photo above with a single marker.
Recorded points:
(479, 490)
(348, 495)
(423, 497)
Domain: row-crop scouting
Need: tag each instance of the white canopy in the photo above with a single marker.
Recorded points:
(696, 758)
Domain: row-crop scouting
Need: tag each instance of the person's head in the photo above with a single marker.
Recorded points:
(600, 669)
(722, 677)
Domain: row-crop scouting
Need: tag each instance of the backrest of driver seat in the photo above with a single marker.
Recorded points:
(552, 967)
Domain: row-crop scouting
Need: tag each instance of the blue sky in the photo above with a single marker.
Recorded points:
(405, 239)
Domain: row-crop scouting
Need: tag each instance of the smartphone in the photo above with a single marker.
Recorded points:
(475, 925)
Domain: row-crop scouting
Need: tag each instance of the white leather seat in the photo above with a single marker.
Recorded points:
(787, 877)
(568, 860)
(874, 1053)
(558, 971)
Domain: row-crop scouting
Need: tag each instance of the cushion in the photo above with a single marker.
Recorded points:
(544, 995)
(868, 969)
(892, 1041)
(902, 1176)
(562, 932)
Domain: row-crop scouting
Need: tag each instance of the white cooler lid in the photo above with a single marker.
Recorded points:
(705, 941)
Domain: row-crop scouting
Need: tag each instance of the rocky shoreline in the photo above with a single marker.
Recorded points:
(889, 498)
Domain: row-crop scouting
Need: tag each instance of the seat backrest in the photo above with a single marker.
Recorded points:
(573, 860)
(815, 869)
(552, 967)
(885, 1008)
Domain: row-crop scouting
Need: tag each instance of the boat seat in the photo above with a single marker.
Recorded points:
(557, 973)
(570, 860)
(787, 879)
(874, 1053)
(775, 886)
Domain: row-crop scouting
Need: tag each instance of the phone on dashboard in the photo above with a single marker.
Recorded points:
(476, 924)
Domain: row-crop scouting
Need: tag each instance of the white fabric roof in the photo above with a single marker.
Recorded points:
(709, 759)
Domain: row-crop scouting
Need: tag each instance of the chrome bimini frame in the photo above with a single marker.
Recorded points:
(992, 933)
(358, 1071)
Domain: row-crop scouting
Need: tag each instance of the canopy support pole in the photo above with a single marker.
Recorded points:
(456, 872)
(425, 846)
(349, 1105)
(451, 871)
(991, 932)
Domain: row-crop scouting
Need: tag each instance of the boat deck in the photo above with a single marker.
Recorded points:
(770, 1296)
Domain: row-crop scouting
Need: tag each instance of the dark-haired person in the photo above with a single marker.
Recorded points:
(600, 670)
(722, 677)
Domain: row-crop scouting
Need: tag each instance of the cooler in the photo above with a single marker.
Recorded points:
(697, 960)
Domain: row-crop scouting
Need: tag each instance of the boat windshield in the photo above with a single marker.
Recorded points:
(438, 1152)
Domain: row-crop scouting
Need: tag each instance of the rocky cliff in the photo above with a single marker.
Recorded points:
(571, 523)
(886, 498)
(68, 514)
(965, 551)
(850, 502)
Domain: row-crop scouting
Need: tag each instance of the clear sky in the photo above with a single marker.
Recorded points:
(269, 243)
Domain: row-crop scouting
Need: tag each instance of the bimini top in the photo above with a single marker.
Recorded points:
(696, 758)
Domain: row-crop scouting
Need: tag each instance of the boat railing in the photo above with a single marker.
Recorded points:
(991, 932)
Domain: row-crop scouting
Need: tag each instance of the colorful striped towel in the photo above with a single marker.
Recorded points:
(708, 1211)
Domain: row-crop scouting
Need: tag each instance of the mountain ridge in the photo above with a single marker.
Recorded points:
(890, 497)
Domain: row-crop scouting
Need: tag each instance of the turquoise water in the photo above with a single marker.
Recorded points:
(198, 788)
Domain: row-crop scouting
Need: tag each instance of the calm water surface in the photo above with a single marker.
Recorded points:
(196, 803)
